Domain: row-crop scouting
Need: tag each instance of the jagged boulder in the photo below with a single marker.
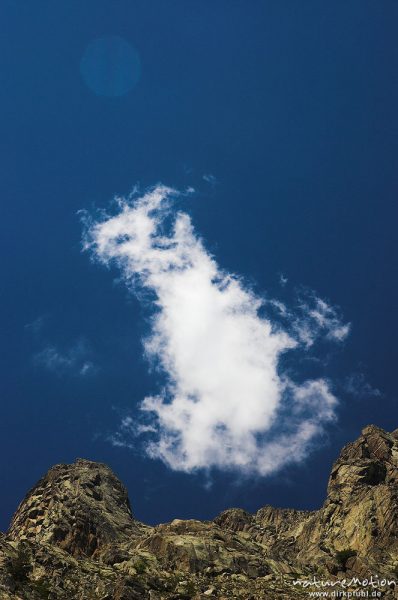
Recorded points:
(197, 546)
(80, 508)
(361, 509)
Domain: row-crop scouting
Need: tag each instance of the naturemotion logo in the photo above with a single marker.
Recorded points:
(345, 588)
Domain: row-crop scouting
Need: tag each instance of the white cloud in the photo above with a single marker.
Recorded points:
(357, 386)
(74, 360)
(209, 178)
(283, 280)
(227, 402)
(36, 326)
(313, 320)
(323, 318)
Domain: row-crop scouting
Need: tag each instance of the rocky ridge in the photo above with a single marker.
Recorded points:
(74, 536)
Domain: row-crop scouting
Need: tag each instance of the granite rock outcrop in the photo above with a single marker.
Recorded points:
(74, 536)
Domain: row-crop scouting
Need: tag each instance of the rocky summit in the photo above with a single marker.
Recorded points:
(75, 536)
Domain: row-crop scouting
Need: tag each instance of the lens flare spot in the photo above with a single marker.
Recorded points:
(110, 66)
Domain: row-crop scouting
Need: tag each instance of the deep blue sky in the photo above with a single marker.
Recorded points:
(292, 107)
